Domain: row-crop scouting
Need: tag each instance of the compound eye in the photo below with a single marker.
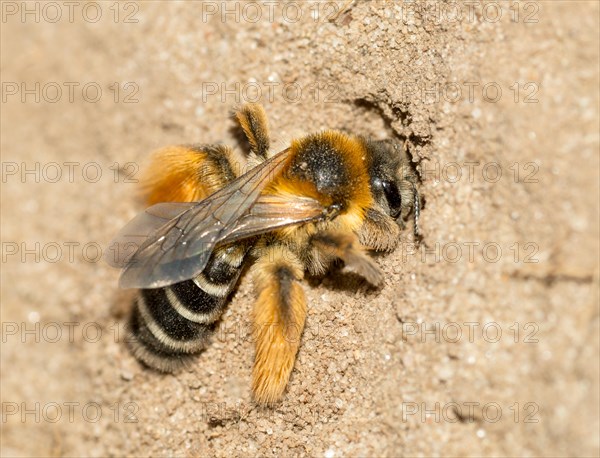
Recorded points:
(394, 199)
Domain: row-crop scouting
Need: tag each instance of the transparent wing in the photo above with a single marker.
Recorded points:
(175, 240)
(271, 212)
(137, 231)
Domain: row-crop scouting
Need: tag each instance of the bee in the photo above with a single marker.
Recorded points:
(328, 196)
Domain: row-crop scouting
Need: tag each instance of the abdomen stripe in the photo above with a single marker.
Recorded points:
(168, 324)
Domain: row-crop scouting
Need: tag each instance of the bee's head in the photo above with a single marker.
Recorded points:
(393, 181)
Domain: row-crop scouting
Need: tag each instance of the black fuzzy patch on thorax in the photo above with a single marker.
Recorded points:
(320, 163)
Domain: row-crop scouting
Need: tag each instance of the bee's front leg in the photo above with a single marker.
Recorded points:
(345, 246)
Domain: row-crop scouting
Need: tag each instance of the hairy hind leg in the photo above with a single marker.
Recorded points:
(253, 120)
(189, 173)
(279, 316)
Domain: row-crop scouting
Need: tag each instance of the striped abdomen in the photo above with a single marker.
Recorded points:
(168, 325)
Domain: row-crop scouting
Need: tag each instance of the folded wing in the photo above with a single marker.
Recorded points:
(175, 240)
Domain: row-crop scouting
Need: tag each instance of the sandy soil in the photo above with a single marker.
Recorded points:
(484, 340)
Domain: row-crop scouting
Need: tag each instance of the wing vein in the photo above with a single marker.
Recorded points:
(178, 249)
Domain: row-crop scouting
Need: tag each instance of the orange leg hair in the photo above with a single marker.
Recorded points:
(279, 316)
(189, 173)
(253, 119)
